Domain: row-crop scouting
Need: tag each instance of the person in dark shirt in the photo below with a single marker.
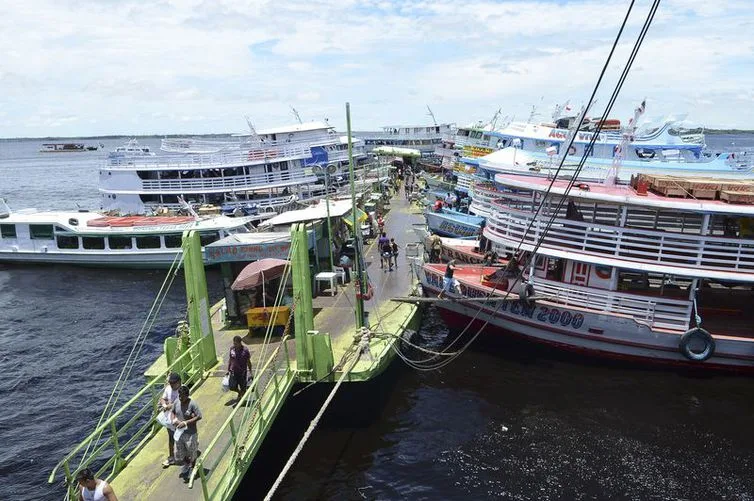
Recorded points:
(448, 281)
(394, 251)
(383, 246)
(239, 360)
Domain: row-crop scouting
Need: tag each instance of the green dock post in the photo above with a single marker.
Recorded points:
(198, 302)
(321, 354)
(303, 316)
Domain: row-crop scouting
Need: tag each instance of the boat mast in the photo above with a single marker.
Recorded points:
(356, 229)
(626, 139)
(434, 121)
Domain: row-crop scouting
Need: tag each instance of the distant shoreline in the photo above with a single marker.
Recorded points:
(711, 132)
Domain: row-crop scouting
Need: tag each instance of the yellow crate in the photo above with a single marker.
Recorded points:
(260, 317)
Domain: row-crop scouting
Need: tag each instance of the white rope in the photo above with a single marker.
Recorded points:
(132, 358)
(313, 425)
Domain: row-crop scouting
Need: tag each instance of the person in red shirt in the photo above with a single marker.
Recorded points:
(239, 360)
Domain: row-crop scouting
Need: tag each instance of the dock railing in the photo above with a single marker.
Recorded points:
(118, 444)
(275, 379)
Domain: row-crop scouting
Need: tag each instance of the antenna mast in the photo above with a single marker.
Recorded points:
(432, 115)
(295, 114)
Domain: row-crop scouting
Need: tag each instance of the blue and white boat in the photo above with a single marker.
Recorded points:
(454, 224)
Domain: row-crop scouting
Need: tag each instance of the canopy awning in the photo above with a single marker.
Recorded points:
(259, 272)
(361, 216)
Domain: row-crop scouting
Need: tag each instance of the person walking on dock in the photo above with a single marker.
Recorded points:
(94, 489)
(187, 413)
(394, 251)
(239, 360)
(382, 243)
(167, 400)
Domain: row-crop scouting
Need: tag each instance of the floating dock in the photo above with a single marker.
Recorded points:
(128, 448)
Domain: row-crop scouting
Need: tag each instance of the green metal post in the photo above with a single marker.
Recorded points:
(198, 301)
(356, 229)
(302, 294)
(329, 226)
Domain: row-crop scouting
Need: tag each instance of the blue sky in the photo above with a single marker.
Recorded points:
(125, 67)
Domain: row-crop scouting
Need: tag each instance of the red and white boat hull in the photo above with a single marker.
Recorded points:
(580, 330)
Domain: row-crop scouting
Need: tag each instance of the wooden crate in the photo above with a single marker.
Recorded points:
(737, 197)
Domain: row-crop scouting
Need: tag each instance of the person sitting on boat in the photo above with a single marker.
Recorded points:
(94, 489)
(490, 258)
(167, 400)
(187, 413)
(437, 207)
(449, 201)
(239, 359)
(448, 283)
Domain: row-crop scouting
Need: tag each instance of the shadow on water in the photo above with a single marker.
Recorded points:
(516, 421)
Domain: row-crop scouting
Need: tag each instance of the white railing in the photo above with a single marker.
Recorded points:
(448, 152)
(665, 313)
(645, 246)
(238, 183)
(213, 160)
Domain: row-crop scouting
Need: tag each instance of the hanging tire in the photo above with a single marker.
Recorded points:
(697, 334)
(526, 293)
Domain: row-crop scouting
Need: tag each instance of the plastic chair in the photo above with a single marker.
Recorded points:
(340, 273)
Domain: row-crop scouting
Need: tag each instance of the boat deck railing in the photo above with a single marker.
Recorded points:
(250, 182)
(671, 314)
(117, 440)
(695, 253)
(262, 155)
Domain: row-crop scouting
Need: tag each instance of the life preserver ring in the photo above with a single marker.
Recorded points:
(526, 293)
(699, 334)
(368, 294)
(572, 150)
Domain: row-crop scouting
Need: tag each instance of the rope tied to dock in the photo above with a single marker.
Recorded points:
(363, 344)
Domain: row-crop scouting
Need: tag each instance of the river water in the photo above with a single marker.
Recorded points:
(504, 421)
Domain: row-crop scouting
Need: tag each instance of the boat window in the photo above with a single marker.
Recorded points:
(120, 242)
(148, 242)
(8, 230)
(94, 243)
(208, 238)
(66, 242)
(173, 241)
(41, 231)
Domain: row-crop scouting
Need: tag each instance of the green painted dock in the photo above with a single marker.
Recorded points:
(230, 437)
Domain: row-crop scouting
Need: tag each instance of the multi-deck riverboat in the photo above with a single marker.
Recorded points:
(661, 271)
(269, 169)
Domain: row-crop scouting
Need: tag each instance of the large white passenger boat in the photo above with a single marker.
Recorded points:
(659, 272)
(424, 138)
(94, 239)
(268, 169)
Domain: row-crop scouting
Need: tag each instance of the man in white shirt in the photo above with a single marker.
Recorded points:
(167, 401)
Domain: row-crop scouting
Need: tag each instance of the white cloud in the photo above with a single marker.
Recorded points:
(197, 66)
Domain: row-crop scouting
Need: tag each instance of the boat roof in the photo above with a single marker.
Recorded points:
(93, 222)
(394, 150)
(338, 208)
(621, 194)
(306, 126)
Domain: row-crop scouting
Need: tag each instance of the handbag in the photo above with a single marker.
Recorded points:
(165, 419)
(232, 382)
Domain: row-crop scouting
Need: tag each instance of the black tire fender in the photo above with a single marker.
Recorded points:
(699, 334)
